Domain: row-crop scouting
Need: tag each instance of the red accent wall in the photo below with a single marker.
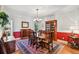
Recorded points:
(16, 34)
(60, 35)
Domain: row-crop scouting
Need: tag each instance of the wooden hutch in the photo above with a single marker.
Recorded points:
(50, 30)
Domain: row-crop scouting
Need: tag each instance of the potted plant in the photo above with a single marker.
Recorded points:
(3, 21)
(36, 27)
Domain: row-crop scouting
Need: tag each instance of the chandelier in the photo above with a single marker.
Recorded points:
(37, 17)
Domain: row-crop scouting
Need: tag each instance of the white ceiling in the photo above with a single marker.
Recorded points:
(44, 10)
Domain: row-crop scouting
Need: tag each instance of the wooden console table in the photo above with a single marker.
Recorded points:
(75, 41)
(74, 37)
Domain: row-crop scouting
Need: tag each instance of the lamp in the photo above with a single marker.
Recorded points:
(37, 18)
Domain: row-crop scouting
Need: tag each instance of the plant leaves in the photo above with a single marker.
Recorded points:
(4, 16)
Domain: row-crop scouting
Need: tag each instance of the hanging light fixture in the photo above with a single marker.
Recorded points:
(37, 17)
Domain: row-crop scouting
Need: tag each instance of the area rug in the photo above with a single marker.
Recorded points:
(26, 49)
(57, 47)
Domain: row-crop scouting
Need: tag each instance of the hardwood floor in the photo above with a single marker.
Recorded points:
(17, 52)
(68, 50)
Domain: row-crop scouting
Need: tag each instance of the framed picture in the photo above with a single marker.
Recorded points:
(25, 24)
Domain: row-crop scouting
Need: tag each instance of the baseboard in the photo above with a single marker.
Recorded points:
(62, 41)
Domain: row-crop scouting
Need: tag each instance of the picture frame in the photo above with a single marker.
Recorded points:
(25, 24)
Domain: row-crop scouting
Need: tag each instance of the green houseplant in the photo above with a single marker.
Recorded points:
(3, 21)
(36, 26)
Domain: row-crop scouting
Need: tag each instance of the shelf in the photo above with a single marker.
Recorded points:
(51, 29)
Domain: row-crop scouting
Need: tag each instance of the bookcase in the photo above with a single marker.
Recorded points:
(51, 30)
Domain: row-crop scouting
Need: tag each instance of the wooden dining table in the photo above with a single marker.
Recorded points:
(45, 43)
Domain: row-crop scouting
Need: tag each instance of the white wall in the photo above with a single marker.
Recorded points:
(18, 18)
(65, 20)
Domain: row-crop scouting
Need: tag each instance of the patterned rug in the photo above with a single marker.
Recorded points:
(57, 47)
(26, 49)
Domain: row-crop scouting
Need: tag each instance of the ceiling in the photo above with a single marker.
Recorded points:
(44, 10)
